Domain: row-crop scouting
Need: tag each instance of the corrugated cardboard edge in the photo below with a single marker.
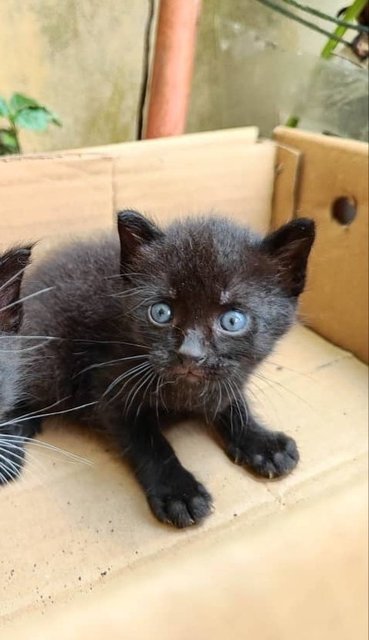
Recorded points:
(54, 196)
(313, 170)
(248, 135)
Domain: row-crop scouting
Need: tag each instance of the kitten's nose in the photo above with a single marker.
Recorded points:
(192, 348)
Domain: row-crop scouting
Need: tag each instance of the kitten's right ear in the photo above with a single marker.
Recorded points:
(134, 231)
(12, 266)
(290, 246)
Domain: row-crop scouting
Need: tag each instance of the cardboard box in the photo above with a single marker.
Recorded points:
(81, 556)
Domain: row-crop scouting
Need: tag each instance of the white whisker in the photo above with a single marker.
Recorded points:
(25, 349)
(10, 463)
(124, 375)
(129, 273)
(131, 344)
(35, 415)
(151, 299)
(132, 377)
(149, 376)
(230, 404)
(100, 365)
(23, 467)
(23, 337)
(13, 277)
(3, 479)
(18, 440)
(219, 400)
(31, 295)
(270, 382)
(22, 458)
(126, 293)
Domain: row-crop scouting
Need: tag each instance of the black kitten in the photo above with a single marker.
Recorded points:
(162, 325)
(12, 265)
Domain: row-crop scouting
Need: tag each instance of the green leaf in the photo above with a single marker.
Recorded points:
(293, 121)
(9, 140)
(55, 119)
(4, 111)
(351, 13)
(30, 114)
(18, 101)
(36, 119)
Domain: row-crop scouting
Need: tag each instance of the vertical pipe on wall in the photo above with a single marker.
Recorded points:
(172, 67)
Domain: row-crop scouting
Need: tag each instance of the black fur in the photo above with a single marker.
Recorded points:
(12, 265)
(98, 310)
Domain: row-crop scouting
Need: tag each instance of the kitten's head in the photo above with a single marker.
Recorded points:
(208, 297)
(12, 266)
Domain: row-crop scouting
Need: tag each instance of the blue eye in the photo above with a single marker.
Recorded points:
(234, 321)
(160, 313)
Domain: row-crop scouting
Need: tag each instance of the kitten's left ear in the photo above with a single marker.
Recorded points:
(134, 231)
(290, 247)
(12, 266)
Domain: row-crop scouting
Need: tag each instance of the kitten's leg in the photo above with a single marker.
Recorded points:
(174, 495)
(267, 453)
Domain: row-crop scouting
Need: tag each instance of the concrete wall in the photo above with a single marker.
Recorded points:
(84, 59)
(248, 63)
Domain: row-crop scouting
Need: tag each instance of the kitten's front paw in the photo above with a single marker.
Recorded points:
(182, 504)
(11, 462)
(270, 455)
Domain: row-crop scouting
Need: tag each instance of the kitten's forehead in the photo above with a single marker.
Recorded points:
(202, 261)
(199, 277)
(206, 258)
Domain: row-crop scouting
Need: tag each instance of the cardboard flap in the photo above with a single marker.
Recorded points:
(66, 194)
(336, 302)
(286, 182)
(53, 197)
(236, 178)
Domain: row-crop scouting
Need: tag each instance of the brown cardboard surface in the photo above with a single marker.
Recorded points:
(69, 528)
(297, 574)
(80, 554)
(53, 196)
(336, 302)
(170, 183)
(211, 139)
(58, 195)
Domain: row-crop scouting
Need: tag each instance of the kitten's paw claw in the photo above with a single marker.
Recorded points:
(181, 508)
(272, 456)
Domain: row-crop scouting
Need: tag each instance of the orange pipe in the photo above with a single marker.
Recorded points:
(172, 68)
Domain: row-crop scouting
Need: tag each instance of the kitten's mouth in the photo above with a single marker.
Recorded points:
(190, 373)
